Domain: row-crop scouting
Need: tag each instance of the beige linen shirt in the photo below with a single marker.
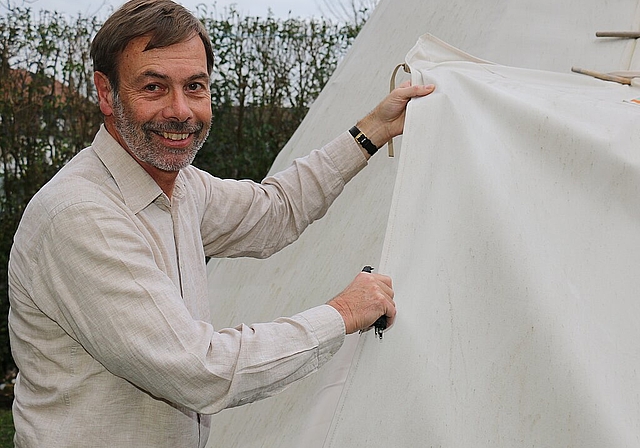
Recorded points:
(109, 319)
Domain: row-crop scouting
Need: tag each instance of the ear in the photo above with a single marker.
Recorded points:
(105, 93)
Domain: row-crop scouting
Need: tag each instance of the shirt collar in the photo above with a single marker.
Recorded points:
(137, 187)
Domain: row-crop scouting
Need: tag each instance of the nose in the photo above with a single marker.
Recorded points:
(178, 107)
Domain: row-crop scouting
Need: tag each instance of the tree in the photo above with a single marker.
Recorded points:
(46, 115)
(268, 72)
(352, 12)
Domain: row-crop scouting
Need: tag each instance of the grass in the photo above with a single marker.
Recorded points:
(6, 428)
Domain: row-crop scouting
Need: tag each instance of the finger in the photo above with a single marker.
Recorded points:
(385, 279)
(390, 321)
(388, 304)
(386, 288)
(418, 90)
(390, 313)
(408, 91)
(382, 282)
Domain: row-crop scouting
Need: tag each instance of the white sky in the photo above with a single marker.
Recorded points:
(101, 8)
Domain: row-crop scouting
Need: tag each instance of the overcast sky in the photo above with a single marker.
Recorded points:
(101, 8)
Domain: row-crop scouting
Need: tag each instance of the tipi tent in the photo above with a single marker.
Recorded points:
(508, 220)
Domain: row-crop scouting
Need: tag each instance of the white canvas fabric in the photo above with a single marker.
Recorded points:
(511, 255)
(514, 244)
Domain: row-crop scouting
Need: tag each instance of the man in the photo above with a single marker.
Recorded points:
(109, 317)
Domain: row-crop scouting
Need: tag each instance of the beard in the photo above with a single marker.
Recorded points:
(139, 138)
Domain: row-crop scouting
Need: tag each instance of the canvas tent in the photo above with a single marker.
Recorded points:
(508, 220)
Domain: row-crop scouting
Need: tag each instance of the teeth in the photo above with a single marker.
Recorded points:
(171, 136)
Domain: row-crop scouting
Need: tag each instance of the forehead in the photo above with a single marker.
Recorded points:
(184, 58)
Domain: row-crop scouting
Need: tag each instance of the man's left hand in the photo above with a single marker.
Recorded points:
(387, 119)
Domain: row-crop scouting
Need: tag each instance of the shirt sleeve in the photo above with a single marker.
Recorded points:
(244, 218)
(96, 276)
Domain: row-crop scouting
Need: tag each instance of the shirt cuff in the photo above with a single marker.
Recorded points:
(346, 156)
(328, 327)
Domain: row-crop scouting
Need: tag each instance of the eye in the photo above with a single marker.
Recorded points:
(152, 88)
(195, 87)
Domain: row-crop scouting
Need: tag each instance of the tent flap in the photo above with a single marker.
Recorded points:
(517, 198)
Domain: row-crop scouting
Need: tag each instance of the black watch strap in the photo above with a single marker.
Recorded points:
(363, 140)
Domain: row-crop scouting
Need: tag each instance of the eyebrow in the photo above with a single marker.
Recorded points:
(153, 74)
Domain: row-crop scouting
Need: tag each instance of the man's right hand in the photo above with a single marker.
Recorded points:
(368, 297)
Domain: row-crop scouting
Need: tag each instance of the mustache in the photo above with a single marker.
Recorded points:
(176, 127)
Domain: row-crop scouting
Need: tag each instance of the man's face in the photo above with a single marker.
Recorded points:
(162, 110)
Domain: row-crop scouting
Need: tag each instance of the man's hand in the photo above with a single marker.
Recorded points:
(387, 119)
(368, 297)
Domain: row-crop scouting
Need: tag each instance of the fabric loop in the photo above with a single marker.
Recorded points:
(392, 86)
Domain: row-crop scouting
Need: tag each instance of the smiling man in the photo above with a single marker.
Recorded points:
(109, 318)
(160, 108)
